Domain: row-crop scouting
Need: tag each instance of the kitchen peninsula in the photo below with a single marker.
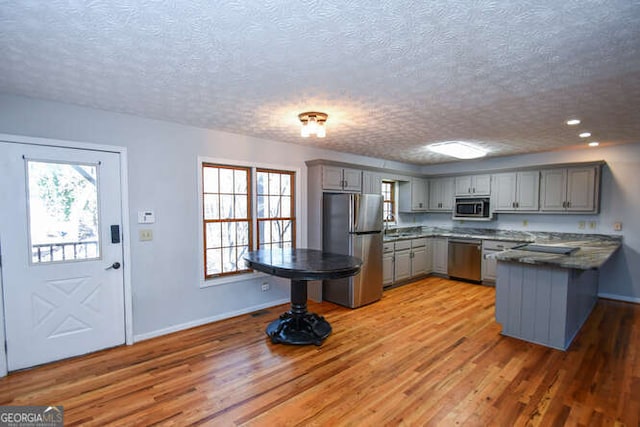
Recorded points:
(541, 297)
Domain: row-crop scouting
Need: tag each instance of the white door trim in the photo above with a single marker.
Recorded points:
(126, 242)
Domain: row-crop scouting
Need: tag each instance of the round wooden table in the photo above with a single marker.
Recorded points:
(298, 326)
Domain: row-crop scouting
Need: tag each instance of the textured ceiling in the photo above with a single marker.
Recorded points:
(392, 75)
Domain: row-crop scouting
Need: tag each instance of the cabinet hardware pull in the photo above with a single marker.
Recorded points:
(469, 191)
(569, 204)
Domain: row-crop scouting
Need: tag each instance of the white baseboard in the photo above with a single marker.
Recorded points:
(619, 298)
(198, 322)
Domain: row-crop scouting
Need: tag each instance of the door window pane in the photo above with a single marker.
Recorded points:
(63, 211)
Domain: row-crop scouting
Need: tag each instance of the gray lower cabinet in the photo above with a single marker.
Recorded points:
(489, 265)
(543, 304)
(440, 254)
(402, 265)
(405, 259)
(387, 264)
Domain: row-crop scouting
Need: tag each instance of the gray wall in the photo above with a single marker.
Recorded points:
(620, 201)
(162, 173)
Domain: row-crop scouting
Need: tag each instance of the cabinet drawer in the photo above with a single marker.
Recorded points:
(387, 247)
(498, 245)
(403, 244)
(418, 243)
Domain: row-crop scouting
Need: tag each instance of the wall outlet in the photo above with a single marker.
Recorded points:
(145, 235)
(525, 222)
(582, 225)
(593, 225)
(617, 226)
(265, 287)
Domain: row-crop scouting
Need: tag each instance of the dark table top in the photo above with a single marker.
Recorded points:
(303, 264)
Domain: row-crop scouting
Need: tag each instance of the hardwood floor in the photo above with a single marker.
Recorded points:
(429, 353)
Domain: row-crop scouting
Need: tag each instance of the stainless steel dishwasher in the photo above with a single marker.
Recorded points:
(465, 259)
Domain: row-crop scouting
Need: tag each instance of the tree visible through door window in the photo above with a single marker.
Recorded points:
(275, 209)
(63, 211)
(227, 218)
(388, 196)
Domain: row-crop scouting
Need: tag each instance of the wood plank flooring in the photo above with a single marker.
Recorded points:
(429, 353)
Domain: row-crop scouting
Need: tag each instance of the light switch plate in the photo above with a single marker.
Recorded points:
(146, 217)
(145, 235)
(617, 226)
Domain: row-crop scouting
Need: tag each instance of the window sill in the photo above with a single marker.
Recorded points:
(207, 283)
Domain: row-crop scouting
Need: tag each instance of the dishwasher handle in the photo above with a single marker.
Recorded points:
(466, 242)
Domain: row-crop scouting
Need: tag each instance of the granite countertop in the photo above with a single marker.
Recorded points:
(592, 251)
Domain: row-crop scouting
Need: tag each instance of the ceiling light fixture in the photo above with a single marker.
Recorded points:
(458, 149)
(594, 144)
(573, 122)
(585, 135)
(313, 124)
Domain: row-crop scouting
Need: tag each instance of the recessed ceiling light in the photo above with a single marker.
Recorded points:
(458, 149)
(594, 144)
(573, 122)
(585, 135)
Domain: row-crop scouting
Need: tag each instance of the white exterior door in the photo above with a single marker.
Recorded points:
(60, 235)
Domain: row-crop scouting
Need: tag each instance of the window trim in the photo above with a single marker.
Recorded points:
(300, 183)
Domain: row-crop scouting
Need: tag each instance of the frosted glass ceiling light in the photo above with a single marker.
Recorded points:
(313, 124)
(594, 144)
(573, 122)
(585, 135)
(457, 149)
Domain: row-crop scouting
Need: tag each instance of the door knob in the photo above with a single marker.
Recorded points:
(115, 266)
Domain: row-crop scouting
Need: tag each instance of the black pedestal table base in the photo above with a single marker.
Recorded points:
(298, 326)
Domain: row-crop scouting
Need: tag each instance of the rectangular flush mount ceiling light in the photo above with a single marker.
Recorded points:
(457, 149)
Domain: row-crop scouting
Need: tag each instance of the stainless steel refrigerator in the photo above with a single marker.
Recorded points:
(352, 225)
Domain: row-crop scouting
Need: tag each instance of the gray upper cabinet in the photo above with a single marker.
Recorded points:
(371, 182)
(412, 195)
(473, 185)
(569, 190)
(516, 191)
(441, 194)
(341, 179)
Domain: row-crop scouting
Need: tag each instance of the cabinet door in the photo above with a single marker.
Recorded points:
(481, 185)
(428, 256)
(441, 194)
(419, 262)
(331, 178)
(352, 180)
(418, 194)
(402, 265)
(463, 185)
(440, 255)
(504, 192)
(387, 269)
(553, 190)
(447, 193)
(528, 191)
(371, 183)
(581, 189)
(489, 266)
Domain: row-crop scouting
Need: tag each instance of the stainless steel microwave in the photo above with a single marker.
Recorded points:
(472, 208)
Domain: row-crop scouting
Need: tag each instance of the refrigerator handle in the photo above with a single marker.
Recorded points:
(354, 212)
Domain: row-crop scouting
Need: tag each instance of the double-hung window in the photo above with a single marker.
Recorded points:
(240, 202)
(388, 200)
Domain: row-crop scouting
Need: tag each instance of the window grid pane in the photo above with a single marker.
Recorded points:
(227, 218)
